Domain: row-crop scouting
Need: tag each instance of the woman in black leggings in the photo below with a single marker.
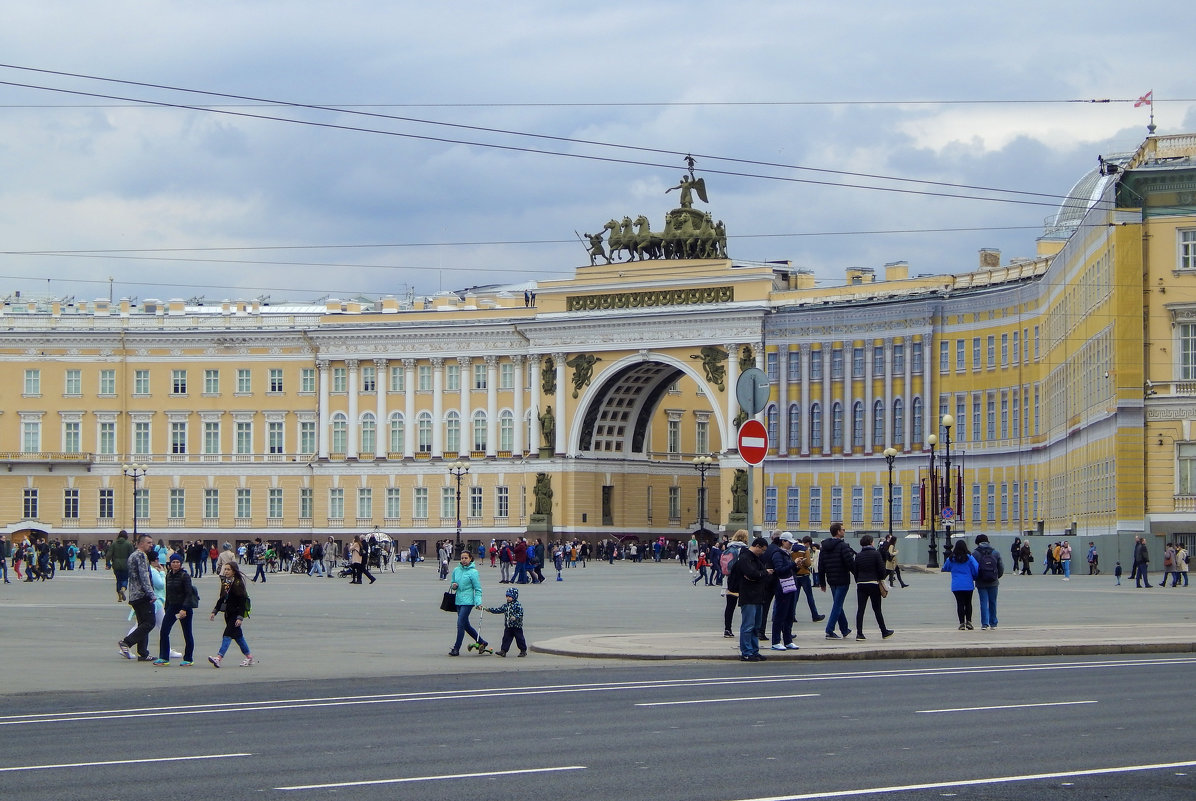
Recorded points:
(963, 569)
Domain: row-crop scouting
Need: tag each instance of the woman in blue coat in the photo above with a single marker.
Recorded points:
(963, 569)
(468, 589)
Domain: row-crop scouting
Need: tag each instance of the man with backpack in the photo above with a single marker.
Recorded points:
(988, 575)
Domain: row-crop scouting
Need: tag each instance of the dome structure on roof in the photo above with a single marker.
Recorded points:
(1083, 195)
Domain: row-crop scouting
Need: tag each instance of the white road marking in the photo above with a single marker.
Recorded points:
(725, 700)
(1003, 706)
(901, 788)
(18, 768)
(495, 692)
(488, 774)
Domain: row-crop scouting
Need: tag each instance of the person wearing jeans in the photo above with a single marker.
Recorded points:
(142, 598)
(986, 588)
(468, 590)
(750, 579)
(835, 564)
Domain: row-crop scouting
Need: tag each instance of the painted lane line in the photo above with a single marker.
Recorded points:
(725, 700)
(489, 774)
(974, 782)
(18, 768)
(1003, 706)
(353, 700)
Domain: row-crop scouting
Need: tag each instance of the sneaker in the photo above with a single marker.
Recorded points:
(727, 633)
(161, 661)
(454, 652)
(792, 646)
(746, 659)
(185, 663)
(124, 649)
(984, 628)
(819, 618)
(523, 653)
(968, 626)
(884, 635)
(833, 636)
(961, 627)
(860, 637)
(248, 661)
(215, 660)
(146, 658)
(500, 653)
(778, 647)
(175, 654)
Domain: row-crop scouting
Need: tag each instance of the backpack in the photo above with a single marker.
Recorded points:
(987, 559)
(728, 560)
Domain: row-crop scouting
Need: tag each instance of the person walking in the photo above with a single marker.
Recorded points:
(749, 579)
(963, 569)
(118, 557)
(179, 606)
(512, 618)
(803, 567)
(141, 599)
(1141, 563)
(1065, 559)
(357, 560)
(1015, 554)
(731, 554)
(467, 587)
(1093, 560)
(316, 553)
(1168, 563)
(233, 601)
(702, 576)
(256, 555)
(779, 557)
(835, 563)
(888, 552)
(869, 570)
(1180, 570)
(989, 569)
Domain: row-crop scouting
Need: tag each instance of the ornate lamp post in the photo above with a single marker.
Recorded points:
(702, 464)
(134, 471)
(890, 456)
(458, 469)
(933, 551)
(948, 422)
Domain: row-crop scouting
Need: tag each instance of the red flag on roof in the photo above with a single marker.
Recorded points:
(1145, 100)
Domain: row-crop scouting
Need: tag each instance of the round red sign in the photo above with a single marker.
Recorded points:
(753, 442)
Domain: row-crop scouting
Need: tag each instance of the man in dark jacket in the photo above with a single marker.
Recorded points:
(780, 558)
(836, 562)
(869, 572)
(750, 578)
(1141, 562)
(179, 607)
(118, 558)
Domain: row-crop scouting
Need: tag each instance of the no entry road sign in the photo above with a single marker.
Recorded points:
(753, 441)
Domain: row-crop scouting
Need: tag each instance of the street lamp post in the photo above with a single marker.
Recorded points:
(458, 469)
(134, 471)
(890, 456)
(702, 464)
(948, 422)
(933, 551)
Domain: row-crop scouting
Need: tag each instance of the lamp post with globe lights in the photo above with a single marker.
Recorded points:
(458, 469)
(890, 456)
(948, 422)
(702, 464)
(933, 551)
(134, 471)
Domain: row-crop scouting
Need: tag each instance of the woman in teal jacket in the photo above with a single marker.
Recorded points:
(468, 589)
(963, 568)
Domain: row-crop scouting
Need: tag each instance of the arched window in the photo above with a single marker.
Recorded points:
(369, 433)
(837, 425)
(340, 432)
(423, 424)
(479, 430)
(452, 432)
(816, 427)
(917, 434)
(794, 426)
(506, 430)
(898, 422)
(878, 424)
(397, 433)
(772, 416)
(857, 425)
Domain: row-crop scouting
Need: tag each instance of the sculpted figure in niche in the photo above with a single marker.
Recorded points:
(712, 364)
(583, 370)
(739, 492)
(548, 376)
(747, 359)
(548, 427)
(543, 493)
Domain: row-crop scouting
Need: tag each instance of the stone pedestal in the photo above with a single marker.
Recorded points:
(546, 452)
(736, 521)
(539, 524)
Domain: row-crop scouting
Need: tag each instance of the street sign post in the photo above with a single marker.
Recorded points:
(751, 390)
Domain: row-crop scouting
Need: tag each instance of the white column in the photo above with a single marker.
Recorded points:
(758, 353)
(828, 419)
(907, 345)
(437, 407)
(410, 429)
(354, 423)
(322, 366)
(491, 405)
(805, 399)
(732, 401)
(888, 392)
(517, 406)
(380, 443)
(869, 422)
(783, 400)
(534, 401)
(559, 410)
(848, 398)
(465, 363)
(930, 404)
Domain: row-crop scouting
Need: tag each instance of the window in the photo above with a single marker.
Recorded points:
(1187, 351)
(274, 503)
(944, 356)
(178, 503)
(365, 503)
(772, 421)
(107, 503)
(898, 503)
(898, 422)
(878, 360)
(878, 505)
(178, 437)
(1187, 250)
(770, 505)
(794, 357)
(479, 430)
(917, 434)
(991, 352)
(33, 382)
(836, 425)
(857, 425)
(307, 380)
(369, 433)
(506, 376)
(502, 502)
(975, 503)
(836, 362)
(141, 382)
(976, 417)
(836, 503)
(1036, 343)
(816, 427)
(793, 505)
(1015, 427)
(398, 379)
(30, 504)
(1187, 468)
(74, 382)
(423, 425)
(975, 353)
(1037, 418)
(961, 418)
(178, 382)
(394, 506)
(336, 503)
(770, 367)
(479, 376)
(1017, 502)
(244, 439)
(452, 432)
(857, 362)
(816, 365)
(961, 361)
(340, 433)
(1004, 502)
(340, 379)
(452, 377)
(702, 436)
(141, 501)
(141, 438)
(70, 504)
(815, 506)
(857, 505)
(71, 437)
(274, 376)
(424, 373)
(244, 502)
(1004, 350)
(244, 381)
(420, 507)
(211, 437)
(674, 503)
(448, 503)
(475, 502)
(915, 505)
(107, 382)
(107, 438)
(991, 421)
(878, 424)
(369, 379)
(307, 436)
(899, 358)
(915, 357)
(991, 503)
(274, 437)
(506, 431)
(211, 382)
(211, 503)
(396, 433)
(1015, 353)
(794, 430)
(305, 503)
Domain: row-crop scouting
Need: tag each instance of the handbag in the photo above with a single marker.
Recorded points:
(884, 591)
(449, 602)
(788, 584)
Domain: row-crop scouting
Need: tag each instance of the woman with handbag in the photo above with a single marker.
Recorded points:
(869, 570)
(467, 587)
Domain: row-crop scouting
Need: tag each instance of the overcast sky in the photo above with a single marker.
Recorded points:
(763, 94)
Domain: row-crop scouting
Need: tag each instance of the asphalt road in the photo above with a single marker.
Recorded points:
(1115, 728)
